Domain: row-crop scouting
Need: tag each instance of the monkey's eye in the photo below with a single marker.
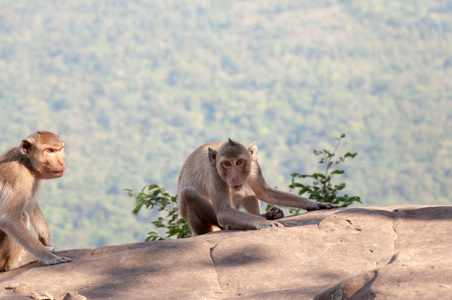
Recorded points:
(227, 163)
(50, 150)
(239, 162)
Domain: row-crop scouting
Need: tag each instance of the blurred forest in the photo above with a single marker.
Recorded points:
(134, 86)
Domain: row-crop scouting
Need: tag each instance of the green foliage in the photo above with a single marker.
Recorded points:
(142, 83)
(155, 196)
(322, 188)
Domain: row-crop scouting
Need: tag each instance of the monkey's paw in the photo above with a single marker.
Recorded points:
(276, 224)
(269, 224)
(322, 205)
(274, 213)
(59, 260)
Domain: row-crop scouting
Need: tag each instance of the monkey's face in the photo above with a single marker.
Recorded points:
(233, 163)
(234, 171)
(53, 164)
(46, 153)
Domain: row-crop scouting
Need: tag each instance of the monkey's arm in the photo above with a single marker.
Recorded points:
(11, 223)
(40, 225)
(273, 196)
(20, 233)
(282, 198)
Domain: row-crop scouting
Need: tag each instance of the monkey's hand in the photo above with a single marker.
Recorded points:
(59, 260)
(274, 213)
(52, 259)
(322, 205)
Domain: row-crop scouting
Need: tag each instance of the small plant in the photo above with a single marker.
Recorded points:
(155, 196)
(322, 189)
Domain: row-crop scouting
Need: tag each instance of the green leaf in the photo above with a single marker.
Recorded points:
(318, 175)
(352, 155)
(152, 186)
(304, 190)
(338, 172)
(340, 186)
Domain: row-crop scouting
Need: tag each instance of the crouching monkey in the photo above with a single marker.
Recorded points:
(218, 178)
(40, 156)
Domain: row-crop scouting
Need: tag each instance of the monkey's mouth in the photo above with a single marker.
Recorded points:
(58, 173)
(236, 187)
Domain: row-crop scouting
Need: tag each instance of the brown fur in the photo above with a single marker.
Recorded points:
(218, 178)
(40, 156)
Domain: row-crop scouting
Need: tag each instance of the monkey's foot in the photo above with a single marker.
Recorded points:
(274, 213)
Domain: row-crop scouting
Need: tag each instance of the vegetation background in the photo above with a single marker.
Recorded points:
(134, 86)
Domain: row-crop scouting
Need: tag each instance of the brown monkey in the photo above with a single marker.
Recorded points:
(40, 156)
(218, 178)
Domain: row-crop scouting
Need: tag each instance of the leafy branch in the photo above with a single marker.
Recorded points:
(155, 196)
(322, 188)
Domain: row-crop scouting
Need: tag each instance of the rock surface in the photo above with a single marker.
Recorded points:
(398, 252)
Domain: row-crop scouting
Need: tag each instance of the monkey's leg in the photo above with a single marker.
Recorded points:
(25, 258)
(197, 211)
(246, 198)
(12, 255)
(4, 251)
(252, 205)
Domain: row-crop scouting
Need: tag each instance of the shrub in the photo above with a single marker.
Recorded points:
(155, 196)
(322, 188)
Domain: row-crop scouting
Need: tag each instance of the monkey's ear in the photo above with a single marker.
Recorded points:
(212, 156)
(252, 149)
(25, 146)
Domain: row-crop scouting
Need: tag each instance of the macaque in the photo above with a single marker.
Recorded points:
(22, 169)
(218, 178)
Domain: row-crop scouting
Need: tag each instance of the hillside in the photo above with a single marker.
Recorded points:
(134, 86)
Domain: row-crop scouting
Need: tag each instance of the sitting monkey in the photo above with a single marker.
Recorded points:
(217, 178)
(22, 169)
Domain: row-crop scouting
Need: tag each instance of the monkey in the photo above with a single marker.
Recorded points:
(219, 177)
(40, 156)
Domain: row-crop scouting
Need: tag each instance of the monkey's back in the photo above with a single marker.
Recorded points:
(196, 167)
(16, 174)
(12, 163)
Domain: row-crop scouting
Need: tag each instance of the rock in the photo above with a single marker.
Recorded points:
(399, 252)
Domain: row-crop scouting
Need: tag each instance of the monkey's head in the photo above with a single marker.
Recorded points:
(45, 151)
(233, 162)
